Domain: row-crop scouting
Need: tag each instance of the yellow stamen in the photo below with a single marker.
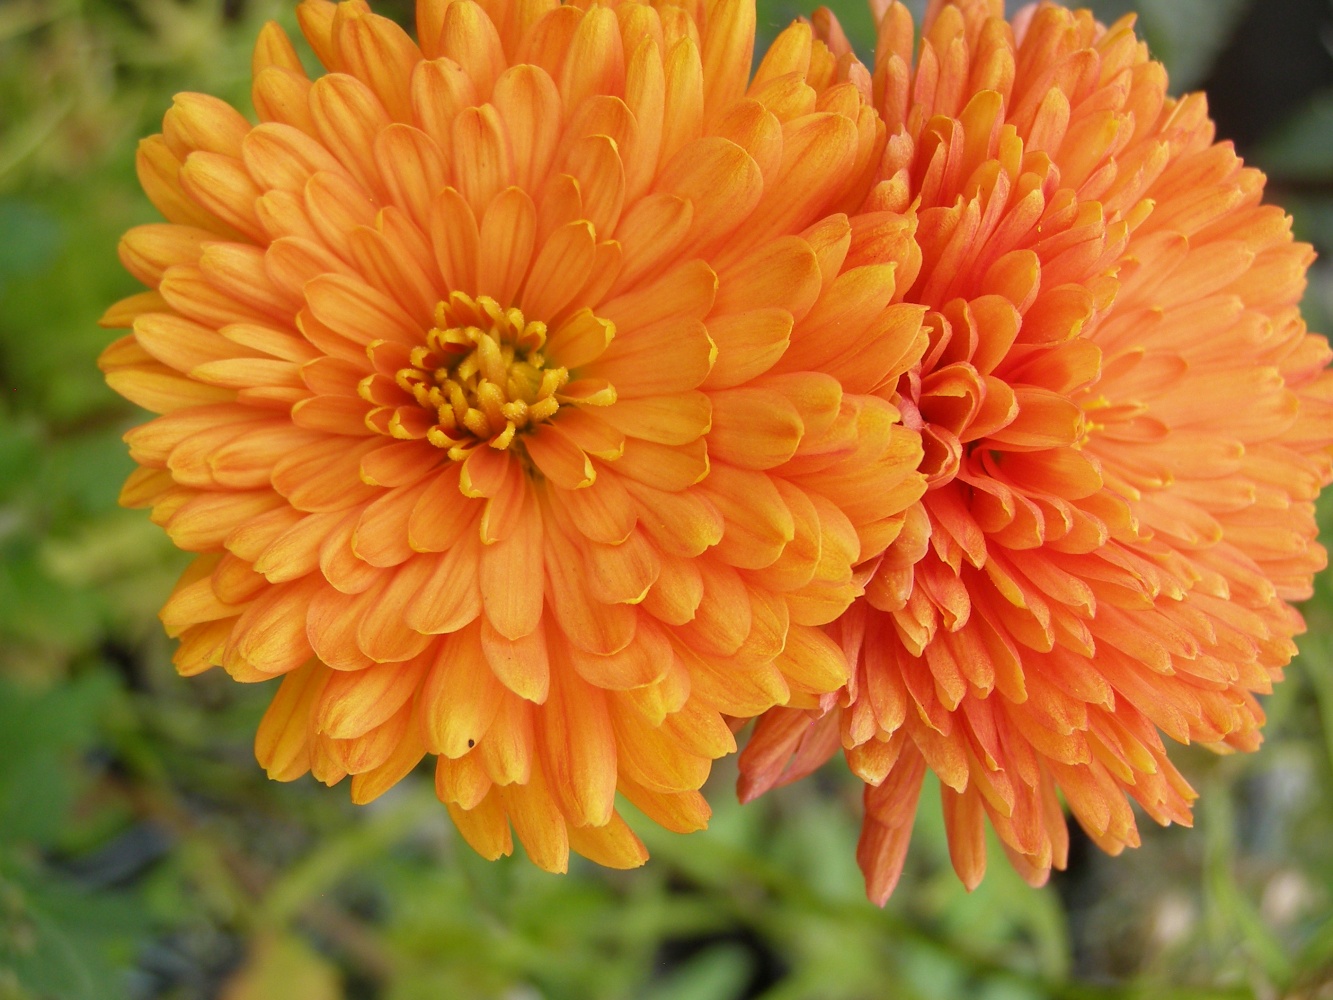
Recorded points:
(481, 374)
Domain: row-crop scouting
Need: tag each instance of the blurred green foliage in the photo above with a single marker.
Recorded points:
(143, 855)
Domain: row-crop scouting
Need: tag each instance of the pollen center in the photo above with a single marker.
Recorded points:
(481, 375)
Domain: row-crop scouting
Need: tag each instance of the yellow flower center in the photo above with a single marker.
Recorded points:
(482, 375)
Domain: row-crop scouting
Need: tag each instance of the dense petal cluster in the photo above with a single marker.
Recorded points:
(549, 395)
(524, 393)
(1125, 425)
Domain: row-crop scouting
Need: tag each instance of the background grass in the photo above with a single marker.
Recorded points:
(144, 855)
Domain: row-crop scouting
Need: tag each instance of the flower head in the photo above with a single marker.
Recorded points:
(519, 394)
(1125, 426)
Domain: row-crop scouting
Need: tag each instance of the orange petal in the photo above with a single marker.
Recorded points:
(271, 635)
(672, 468)
(575, 728)
(147, 251)
(406, 754)
(282, 741)
(594, 62)
(721, 180)
(442, 514)
(522, 665)
(459, 697)
(508, 749)
(349, 116)
(622, 573)
(679, 523)
(675, 419)
(529, 105)
(538, 821)
(754, 429)
(604, 512)
(485, 827)
(580, 338)
(159, 175)
(462, 782)
(593, 626)
(613, 845)
(561, 267)
(450, 598)
(748, 344)
(353, 703)
(505, 245)
(481, 163)
(734, 689)
(644, 661)
(511, 575)
(380, 53)
(469, 38)
(559, 459)
(679, 812)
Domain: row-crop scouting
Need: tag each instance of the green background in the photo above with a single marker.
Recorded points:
(144, 855)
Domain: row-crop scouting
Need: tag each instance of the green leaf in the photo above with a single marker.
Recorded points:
(717, 973)
(853, 15)
(31, 239)
(280, 967)
(1186, 35)
(41, 737)
(40, 610)
(64, 943)
(1301, 148)
(19, 456)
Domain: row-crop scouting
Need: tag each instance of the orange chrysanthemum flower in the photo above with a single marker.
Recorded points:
(517, 393)
(1125, 423)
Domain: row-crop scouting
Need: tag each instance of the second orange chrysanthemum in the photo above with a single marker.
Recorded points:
(1125, 425)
